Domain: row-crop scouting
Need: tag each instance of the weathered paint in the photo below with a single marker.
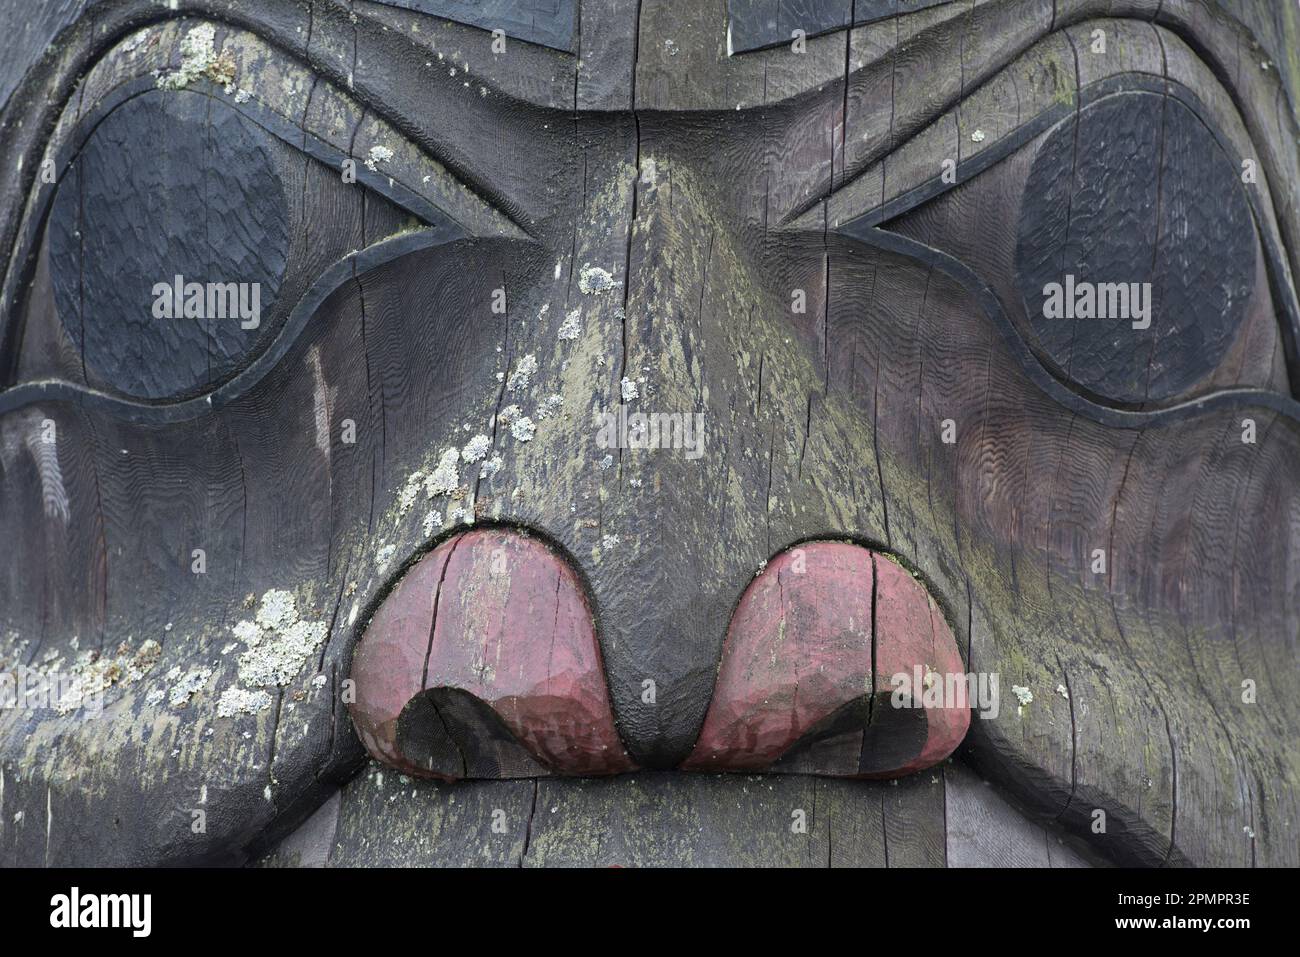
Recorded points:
(499, 616)
(824, 623)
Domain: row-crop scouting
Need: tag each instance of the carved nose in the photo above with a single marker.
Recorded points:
(483, 663)
(837, 662)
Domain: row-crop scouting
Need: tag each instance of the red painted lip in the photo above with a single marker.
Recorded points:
(825, 622)
(483, 662)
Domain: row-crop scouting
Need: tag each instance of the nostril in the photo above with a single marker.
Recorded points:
(914, 640)
(449, 733)
(806, 681)
(483, 662)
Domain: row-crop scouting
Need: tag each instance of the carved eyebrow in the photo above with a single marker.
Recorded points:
(330, 127)
(759, 24)
(334, 126)
(547, 23)
(928, 70)
(1017, 104)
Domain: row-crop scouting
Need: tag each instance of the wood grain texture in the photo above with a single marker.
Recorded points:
(546, 22)
(666, 223)
(674, 820)
(983, 830)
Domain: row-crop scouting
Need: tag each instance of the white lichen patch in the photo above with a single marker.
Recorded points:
(134, 43)
(571, 327)
(1063, 692)
(476, 449)
(608, 542)
(384, 557)
(1023, 695)
(378, 154)
(978, 136)
(432, 522)
(550, 406)
(278, 644)
(237, 701)
(281, 655)
(523, 429)
(198, 50)
(185, 686)
(410, 491)
(593, 279)
(490, 468)
(278, 609)
(629, 390)
(522, 375)
(199, 60)
(446, 477)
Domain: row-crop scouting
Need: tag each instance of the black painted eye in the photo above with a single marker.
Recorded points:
(202, 197)
(1120, 239)
(1136, 249)
(168, 243)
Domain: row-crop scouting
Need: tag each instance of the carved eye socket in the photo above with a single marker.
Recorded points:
(1115, 227)
(1136, 249)
(168, 244)
(184, 232)
(202, 196)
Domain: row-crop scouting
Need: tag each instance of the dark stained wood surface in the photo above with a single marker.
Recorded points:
(944, 817)
(652, 260)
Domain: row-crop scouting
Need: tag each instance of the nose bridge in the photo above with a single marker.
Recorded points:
(698, 345)
(691, 451)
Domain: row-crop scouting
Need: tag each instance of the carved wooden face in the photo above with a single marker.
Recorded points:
(516, 391)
